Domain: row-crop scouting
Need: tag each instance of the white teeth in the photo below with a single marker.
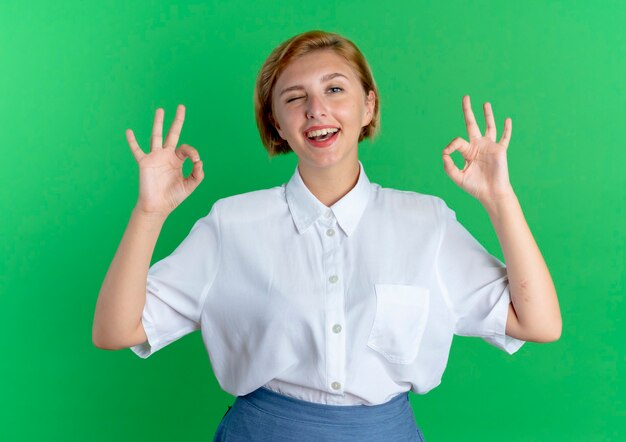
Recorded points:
(317, 133)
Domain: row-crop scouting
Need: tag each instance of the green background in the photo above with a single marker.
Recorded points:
(75, 75)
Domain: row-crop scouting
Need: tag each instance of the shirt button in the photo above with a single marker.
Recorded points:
(336, 385)
(333, 279)
(330, 232)
(336, 328)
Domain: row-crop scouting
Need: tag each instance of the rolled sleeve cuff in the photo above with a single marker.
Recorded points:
(499, 338)
(147, 348)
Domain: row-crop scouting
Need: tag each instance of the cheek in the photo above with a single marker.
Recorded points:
(286, 125)
(353, 113)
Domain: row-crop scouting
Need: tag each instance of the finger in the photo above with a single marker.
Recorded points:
(457, 144)
(156, 141)
(451, 170)
(491, 130)
(134, 146)
(174, 133)
(448, 164)
(195, 178)
(187, 151)
(506, 135)
(470, 122)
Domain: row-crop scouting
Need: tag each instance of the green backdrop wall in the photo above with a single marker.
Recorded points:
(75, 75)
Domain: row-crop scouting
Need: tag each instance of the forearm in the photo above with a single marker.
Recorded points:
(532, 291)
(123, 293)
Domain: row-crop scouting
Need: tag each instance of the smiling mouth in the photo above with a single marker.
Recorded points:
(323, 140)
(322, 134)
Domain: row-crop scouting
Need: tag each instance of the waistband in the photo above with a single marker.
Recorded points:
(292, 408)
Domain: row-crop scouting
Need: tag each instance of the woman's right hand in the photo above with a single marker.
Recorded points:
(162, 186)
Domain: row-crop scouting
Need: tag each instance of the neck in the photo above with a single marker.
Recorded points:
(331, 184)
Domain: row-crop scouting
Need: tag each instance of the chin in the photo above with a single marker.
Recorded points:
(323, 157)
(325, 162)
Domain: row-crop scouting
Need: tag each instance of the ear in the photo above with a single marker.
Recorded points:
(370, 105)
(277, 126)
(280, 132)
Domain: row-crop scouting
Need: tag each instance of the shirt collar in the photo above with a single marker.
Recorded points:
(305, 208)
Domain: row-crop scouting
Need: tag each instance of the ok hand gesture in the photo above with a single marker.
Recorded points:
(162, 186)
(485, 175)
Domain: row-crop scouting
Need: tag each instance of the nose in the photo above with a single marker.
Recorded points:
(315, 107)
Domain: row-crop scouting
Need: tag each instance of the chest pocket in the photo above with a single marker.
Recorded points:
(400, 320)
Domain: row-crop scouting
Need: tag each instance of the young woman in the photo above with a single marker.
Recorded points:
(323, 301)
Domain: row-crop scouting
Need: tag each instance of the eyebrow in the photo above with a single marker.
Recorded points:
(322, 80)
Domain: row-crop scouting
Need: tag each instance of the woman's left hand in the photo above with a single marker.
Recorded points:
(486, 174)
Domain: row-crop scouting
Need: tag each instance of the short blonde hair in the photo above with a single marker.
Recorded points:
(279, 59)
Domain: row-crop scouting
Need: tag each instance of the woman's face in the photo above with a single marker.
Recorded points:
(321, 91)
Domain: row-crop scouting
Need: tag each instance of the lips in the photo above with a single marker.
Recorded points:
(312, 128)
(324, 143)
(318, 131)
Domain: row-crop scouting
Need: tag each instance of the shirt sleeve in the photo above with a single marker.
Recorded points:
(474, 283)
(177, 286)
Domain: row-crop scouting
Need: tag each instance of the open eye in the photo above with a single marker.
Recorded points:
(335, 87)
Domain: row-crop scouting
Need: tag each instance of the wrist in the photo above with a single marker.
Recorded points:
(150, 216)
(500, 202)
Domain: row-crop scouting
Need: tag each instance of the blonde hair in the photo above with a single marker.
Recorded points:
(279, 59)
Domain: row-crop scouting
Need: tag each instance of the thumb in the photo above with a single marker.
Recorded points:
(451, 170)
(195, 178)
(197, 175)
(448, 165)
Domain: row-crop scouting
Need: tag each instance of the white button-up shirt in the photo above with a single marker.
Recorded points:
(351, 304)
